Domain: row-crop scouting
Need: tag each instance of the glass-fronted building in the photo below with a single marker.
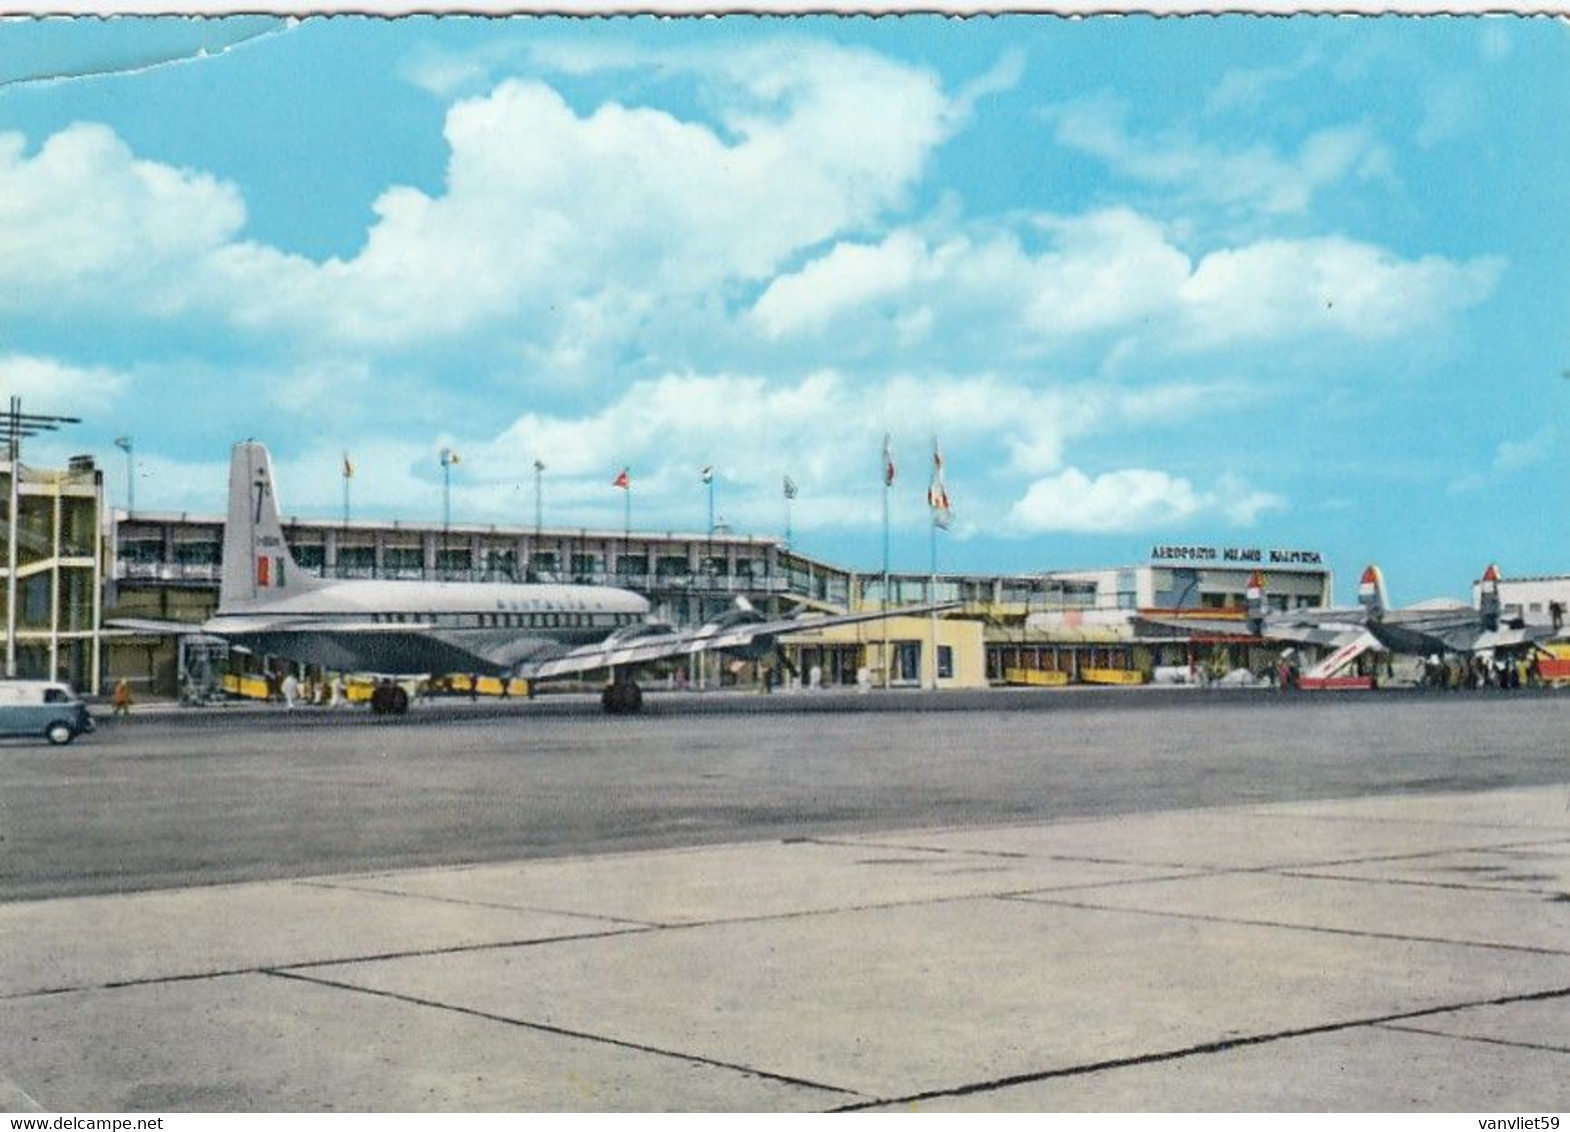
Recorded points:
(53, 566)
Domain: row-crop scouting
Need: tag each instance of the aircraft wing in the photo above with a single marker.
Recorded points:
(1199, 626)
(1324, 634)
(1327, 629)
(1470, 638)
(242, 626)
(706, 638)
(154, 628)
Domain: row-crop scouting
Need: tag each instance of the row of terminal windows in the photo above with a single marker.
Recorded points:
(509, 620)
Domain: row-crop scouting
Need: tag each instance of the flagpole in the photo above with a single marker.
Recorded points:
(932, 591)
(624, 481)
(348, 473)
(938, 506)
(788, 494)
(888, 482)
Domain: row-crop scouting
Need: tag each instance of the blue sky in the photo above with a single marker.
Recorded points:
(1239, 282)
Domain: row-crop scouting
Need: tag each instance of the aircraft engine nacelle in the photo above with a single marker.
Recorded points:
(755, 649)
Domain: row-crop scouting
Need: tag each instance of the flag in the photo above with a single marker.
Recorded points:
(708, 474)
(888, 463)
(270, 572)
(449, 457)
(348, 468)
(622, 481)
(937, 490)
(539, 465)
(790, 488)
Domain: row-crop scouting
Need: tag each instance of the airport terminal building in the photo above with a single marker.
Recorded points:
(1540, 600)
(1067, 626)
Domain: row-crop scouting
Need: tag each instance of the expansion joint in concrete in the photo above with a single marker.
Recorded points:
(557, 1031)
(1355, 933)
(1200, 1050)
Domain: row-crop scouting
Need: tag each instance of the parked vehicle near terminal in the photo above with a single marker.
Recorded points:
(42, 707)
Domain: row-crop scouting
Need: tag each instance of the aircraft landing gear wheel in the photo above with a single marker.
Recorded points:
(622, 698)
(389, 699)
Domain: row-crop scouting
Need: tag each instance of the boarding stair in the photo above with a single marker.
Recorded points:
(1336, 672)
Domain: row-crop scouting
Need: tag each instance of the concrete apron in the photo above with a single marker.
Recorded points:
(1407, 953)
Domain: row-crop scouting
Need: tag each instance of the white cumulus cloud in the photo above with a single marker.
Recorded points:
(545, 208)
(1130, 500)
(46, 385)
(1111, 275)
(1290, 287)
(85, 220)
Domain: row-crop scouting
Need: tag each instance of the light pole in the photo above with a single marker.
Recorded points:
(531, 573)
(449, 458)
(539, 467)
(124, 444)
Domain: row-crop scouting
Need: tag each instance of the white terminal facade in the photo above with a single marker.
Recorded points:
(1070, 624)
(1542, 600)
(78, 564)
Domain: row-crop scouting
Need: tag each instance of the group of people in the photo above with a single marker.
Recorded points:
(288, 690)
(1477, 671)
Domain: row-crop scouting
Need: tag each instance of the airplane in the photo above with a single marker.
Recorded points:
(534, 631)
(1440, 626)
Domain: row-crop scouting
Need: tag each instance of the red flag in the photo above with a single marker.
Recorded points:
(622, 481)
(888, 462)
(937, 490)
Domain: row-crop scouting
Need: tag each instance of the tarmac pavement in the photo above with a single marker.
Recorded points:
(1399, 953)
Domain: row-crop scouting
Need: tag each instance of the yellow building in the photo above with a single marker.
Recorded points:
(899, 653)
